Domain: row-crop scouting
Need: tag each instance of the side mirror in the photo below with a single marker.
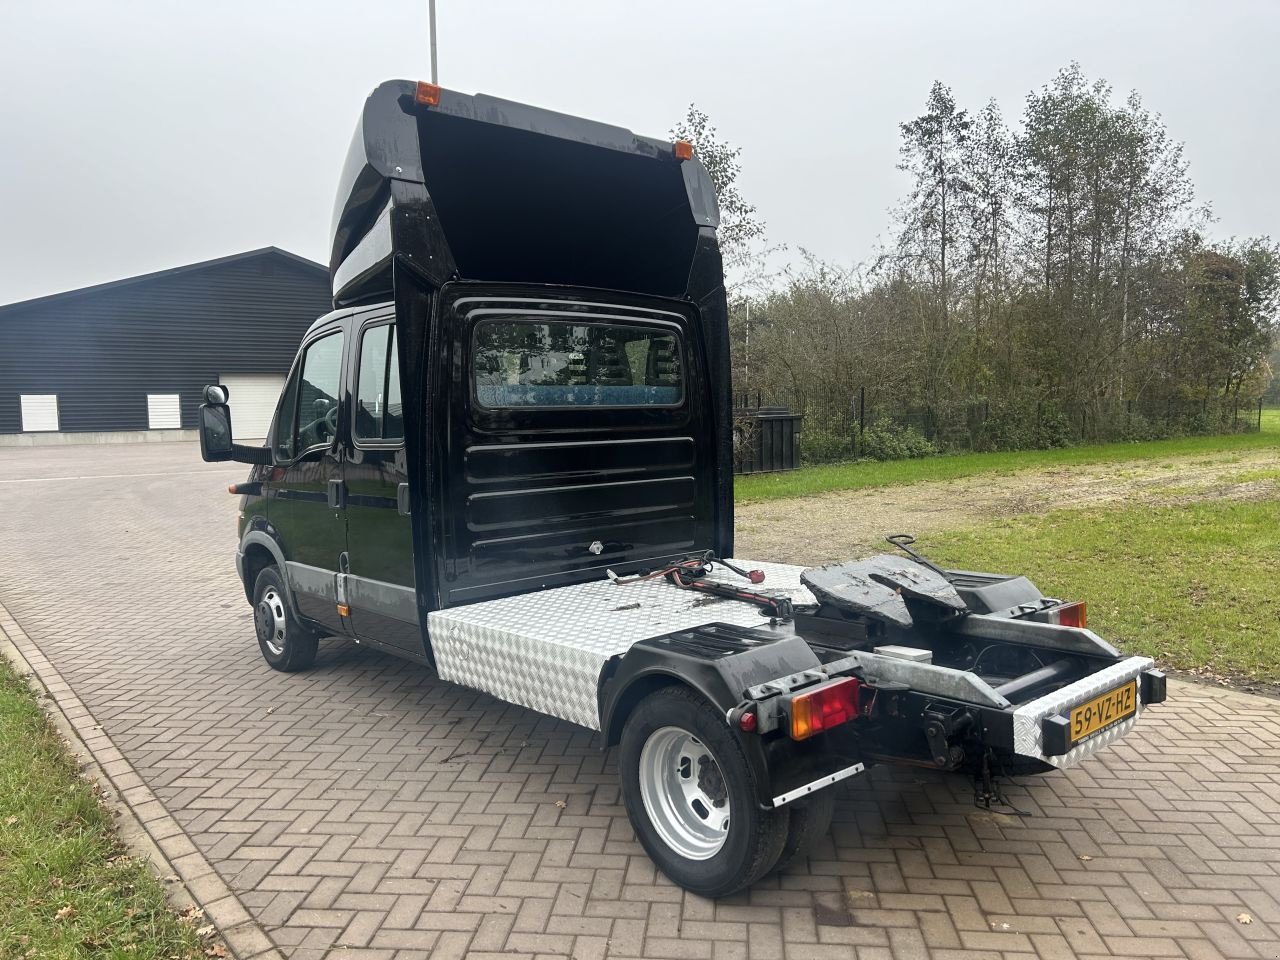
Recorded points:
(215, 432)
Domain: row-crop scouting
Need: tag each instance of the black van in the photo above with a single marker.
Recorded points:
(507, 454)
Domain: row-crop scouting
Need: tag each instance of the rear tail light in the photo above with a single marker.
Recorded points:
(824, 707)
(1070, 615)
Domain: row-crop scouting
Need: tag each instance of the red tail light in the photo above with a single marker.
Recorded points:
(1071, 615)
(824, 707)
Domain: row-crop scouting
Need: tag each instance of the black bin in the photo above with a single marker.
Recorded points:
(765, 439)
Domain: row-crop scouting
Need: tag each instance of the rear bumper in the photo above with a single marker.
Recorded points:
(1038, 725)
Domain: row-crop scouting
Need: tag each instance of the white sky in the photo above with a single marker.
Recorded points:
(144, 135)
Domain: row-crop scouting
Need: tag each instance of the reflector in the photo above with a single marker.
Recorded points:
(684, 150)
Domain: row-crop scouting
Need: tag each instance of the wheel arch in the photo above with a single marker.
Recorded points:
(631, 691)
(260, 551)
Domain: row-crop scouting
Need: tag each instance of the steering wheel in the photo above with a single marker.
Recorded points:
(331, 421)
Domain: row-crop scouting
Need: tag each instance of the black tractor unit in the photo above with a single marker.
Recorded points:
(507, 454)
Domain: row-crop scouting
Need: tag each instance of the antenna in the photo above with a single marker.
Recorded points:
(431, 13)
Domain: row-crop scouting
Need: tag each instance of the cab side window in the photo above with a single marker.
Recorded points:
(379, 415)
(313, 403)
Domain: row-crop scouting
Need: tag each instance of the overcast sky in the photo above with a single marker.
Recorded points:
(142, 135)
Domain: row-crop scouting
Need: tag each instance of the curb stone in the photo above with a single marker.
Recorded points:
(142, 823)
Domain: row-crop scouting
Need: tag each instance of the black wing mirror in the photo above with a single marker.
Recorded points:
(216, 443)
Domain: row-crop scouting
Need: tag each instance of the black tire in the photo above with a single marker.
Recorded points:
(285, 643)
(751, 842)
(810, 822)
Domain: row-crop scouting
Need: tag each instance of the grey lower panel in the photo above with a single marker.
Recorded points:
(316, 581)
(314, 592)
(388, 599)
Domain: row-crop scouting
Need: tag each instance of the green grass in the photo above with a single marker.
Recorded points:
(808, 481)
(1271, 420)
(66, 887)
(1193, 586)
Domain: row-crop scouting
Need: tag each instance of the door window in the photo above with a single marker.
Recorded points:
(379, 414)
(312, 399)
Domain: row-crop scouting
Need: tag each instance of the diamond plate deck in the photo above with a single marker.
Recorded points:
(545, 650)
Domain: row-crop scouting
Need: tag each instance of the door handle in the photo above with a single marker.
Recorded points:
(337, 494)
(402, 499)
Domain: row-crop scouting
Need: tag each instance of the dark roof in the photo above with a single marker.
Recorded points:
(172, 272)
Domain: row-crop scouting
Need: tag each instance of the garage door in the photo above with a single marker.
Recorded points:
(252, 400)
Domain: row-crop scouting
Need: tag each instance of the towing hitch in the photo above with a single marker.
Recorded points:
(941, 724)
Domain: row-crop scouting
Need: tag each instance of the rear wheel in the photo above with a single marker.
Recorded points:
(285, 643)
(691, 796)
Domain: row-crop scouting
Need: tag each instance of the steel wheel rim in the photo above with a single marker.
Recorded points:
(271, 619)
(684, 793)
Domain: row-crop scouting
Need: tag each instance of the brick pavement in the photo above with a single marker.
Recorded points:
(368, 810)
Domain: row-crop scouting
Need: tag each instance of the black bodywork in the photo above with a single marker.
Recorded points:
(450, 214)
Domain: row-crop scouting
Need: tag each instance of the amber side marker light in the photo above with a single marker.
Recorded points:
(344, 610)
(1071, 615)
(427, 94)
(825, 707)
(684, 150)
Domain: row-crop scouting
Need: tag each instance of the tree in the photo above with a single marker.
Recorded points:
(1047, 282)
(739, 226)
(932, 151)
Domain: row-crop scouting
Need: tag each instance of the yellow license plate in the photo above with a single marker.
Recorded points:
(1101, 712)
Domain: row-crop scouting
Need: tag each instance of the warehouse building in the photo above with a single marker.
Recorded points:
(127, 360)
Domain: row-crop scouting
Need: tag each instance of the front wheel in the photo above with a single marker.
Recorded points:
(285, 643)
(691, 796)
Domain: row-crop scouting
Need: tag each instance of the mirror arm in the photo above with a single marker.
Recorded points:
(245, 454)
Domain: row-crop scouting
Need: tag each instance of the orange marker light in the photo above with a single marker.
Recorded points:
(427, 94)
(684, 150)
(344, 610)
(824, 707)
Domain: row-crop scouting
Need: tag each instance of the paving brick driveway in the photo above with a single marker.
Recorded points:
(367, 809)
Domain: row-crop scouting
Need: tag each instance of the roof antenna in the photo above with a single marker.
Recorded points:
(431, 13)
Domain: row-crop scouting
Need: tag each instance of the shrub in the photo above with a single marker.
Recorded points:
(1053, 430)
(887, 440)
(821, 444)
(1138, 427)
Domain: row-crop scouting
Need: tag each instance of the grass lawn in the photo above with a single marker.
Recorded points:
(861, 475)
(66, 887)
(1194, 586)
